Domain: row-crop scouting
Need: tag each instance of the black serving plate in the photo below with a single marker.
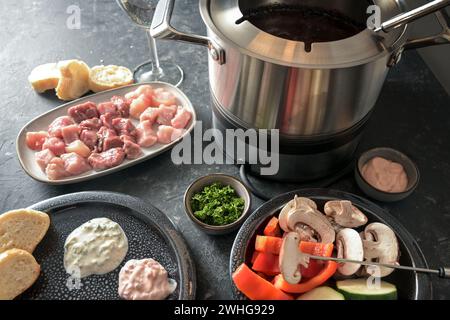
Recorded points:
(150, 235)
(410, 285)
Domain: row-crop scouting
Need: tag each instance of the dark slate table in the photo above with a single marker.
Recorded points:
(412, 115)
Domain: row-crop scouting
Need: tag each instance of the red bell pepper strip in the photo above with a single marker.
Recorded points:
(316, 249)
(254, 256)
(272, 228)
(255, 287)
(267, 263)
(268, 244)
(326, 273)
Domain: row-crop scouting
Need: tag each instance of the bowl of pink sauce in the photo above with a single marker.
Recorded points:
(386, 174)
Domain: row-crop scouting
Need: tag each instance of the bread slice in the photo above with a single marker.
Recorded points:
(22, 229)
(18, 271)
(104, 78)
(44, 77)
(74, 81)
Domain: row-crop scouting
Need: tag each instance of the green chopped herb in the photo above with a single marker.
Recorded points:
(217, 205)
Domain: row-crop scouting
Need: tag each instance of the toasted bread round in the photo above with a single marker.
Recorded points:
(104, 78)
(22, 229)
(74, 81)
(18, 271)
(44, 77)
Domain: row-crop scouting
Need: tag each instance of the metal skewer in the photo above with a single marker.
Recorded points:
(442, 272)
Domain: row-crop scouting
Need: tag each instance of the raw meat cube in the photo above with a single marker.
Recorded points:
(107, 139)
(124, 126)
(150, 114)
(130, 147)
(107, 159)
(107, 107)
(139, 105)
(55, 145)
(75, 164)
(182, 118)
(83, 111)
(43, 158)
(70, 133)
(54, 129)
(55, 169)
(166, 114)
(145, 135)
(144, 89)
(35, 140)
(107, 119)
(91, 124)
(89, 138)
(167, 134)
(123, 106)
(162, 96)
(79, 148)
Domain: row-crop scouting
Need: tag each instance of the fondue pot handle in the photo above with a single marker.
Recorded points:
(162, 29)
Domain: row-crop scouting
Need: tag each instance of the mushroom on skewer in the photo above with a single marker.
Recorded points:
(349, 246)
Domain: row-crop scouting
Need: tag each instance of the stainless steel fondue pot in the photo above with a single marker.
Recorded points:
(318, 96)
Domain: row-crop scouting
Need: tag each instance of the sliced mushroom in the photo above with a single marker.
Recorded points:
(297, 202)
(291, 258)
(306, 233)
(345, 214)
(313, 219)
(380, 245)
(349, 246)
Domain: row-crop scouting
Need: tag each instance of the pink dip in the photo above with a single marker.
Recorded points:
(385, 175)
(144, 280)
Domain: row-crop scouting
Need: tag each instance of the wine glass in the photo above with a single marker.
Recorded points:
(141, 12)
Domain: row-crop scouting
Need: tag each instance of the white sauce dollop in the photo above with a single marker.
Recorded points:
(96, 247)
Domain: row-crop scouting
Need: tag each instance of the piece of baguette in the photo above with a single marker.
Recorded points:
(44, 77)
(103, 78)
(22, 229)
(18, 271)
(74, 81)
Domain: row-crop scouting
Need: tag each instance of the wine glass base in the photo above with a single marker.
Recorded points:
(169, 73)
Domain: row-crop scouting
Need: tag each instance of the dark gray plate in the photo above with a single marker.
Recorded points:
(150, 235)
(410, 285)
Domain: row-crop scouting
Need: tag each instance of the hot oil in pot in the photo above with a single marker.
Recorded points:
(302, 23)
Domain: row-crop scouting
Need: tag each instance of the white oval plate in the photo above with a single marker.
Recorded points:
(41, 123)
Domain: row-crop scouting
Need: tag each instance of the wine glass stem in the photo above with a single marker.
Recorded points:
(156, 69)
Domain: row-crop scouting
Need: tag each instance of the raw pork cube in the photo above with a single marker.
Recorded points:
(108, 139)
(54, 129)
(150, 114)
(83, 111)
(55, 145)
(162, 96)
(145, 135)
(182, 118)
(91, 124)
(43, 158)
(70, 133)
(35, 140)
(79, 147)
(144, 89)
(122, 105)
(107, 159)
(89, 138)
(124, 127)
(167, 134)
(138, 105)
(107, 107)
(166, 114)
(130, 147)
(75, 164)
(55, 169)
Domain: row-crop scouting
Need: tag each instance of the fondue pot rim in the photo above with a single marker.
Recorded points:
(323, 54)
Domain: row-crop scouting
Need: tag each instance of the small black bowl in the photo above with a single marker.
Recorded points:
(223, 179)
(412, 172)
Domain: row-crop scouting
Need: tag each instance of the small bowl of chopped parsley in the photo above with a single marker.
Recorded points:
(217, 203)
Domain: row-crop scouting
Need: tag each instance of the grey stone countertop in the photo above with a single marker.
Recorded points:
(412, 115)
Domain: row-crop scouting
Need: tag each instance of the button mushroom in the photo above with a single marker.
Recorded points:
(291, 258)
(349, 246)
(296, 203)
(345, 214)
(380, 245)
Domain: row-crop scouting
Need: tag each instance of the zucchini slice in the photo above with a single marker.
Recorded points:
(357, 289)
(321, 293)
